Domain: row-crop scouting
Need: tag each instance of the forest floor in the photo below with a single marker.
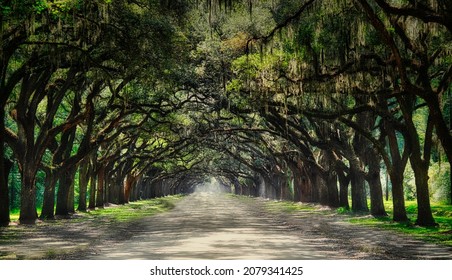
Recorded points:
(213, 226)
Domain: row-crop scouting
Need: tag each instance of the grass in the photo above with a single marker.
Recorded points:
(275, 206)
(289, 206)
(442, 234)
(115, 218)
(14, 214)
(136, 210)
(127, 212)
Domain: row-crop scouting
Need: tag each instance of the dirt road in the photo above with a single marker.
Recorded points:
(216, 226)
(212, 226)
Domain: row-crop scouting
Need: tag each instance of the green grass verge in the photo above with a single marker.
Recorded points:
(442, 234)
(289, 206)
(114, 217)
(130, 211)
(277, 205)
(136, 210)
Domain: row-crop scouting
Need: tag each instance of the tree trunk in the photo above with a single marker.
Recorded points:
(13, 193)
(109, 181)
(333, 195)
(420, 165)
(297, 181)
(359, 197)
(396, 169)
(92, 191)
(297, 184)
(330, 178)
(111, 188)
(64, 192)
(71, 192)
(128, 188)
(343, 190)
(48, 204)
(28, 214)
(285, 194)
(83, 176)
(5, 167)
(398, 199)
(152, 190)
(100, 187)
(266, 188)
(387, 186)
(377, 207)
(424, 214)
(276, 182)
(126, 184)
(360, 157)
(314, 182)
(134, 193)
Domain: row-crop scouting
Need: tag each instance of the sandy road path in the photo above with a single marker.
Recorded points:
(216, 226)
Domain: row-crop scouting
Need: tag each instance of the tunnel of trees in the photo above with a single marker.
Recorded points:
(345, 103)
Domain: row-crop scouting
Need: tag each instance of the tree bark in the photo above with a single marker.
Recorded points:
(396, 169)
(100, 187)
(71, 192)
(268, 189)
(92, 190)
(63, 194)
(48, 203)
(13, 192)
(377, 207)
(333, 195)
(5, 167)
(420, 163)
(83, 184)
(359, 197)
(126, 184)
(330, 178)
(296, 185)
(28, 214)
(420, 167)
(285, 194)
(398, 199)
(92, 179)
(308, 191)
(424, 214)
(343, 190)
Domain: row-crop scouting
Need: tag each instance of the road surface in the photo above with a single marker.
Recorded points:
(216, 226)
